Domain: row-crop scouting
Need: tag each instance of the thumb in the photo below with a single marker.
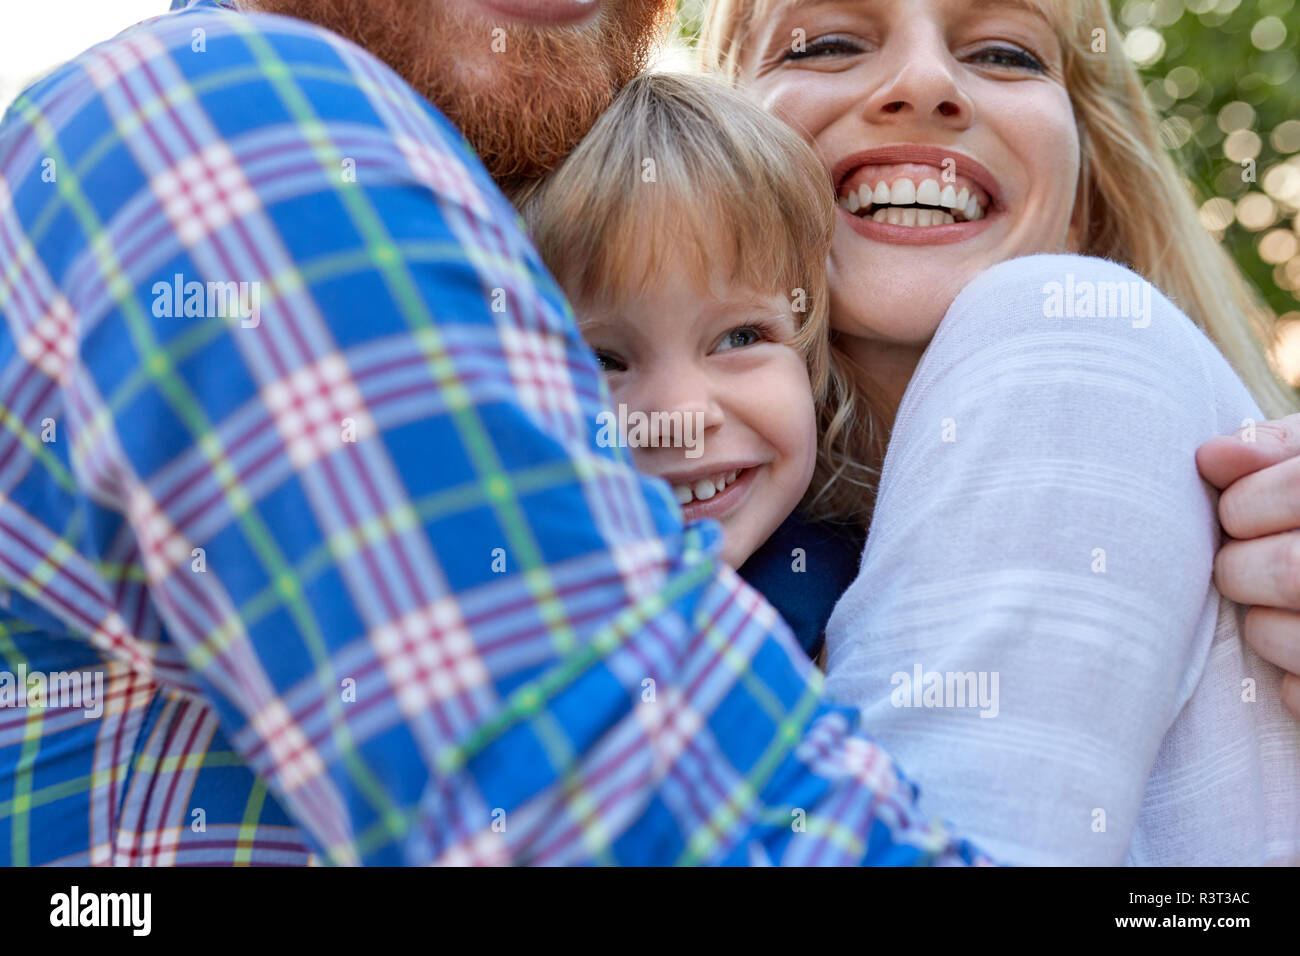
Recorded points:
(1225, 459)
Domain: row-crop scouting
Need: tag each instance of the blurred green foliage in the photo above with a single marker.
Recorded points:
(1224, 78)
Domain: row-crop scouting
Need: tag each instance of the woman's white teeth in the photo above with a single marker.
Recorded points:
(888, 200)
(704, 489)
(913, 217)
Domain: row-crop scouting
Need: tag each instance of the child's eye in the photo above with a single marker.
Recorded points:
(1011, 57)
(739, 337)
(609, 362)
(823, 47)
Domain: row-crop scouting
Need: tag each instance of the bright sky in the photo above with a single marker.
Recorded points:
(38, 35)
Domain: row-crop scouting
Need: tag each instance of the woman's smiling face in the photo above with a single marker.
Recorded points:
(951, 112)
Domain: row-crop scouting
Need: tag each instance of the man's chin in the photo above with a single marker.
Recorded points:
(524, 96)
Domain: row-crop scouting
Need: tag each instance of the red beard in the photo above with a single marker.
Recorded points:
(523, 107)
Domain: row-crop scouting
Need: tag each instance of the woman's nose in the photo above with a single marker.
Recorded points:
(922, 82)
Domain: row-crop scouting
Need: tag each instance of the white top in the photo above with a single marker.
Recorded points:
(1033, 632)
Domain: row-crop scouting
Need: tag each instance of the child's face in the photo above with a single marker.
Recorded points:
(719, 354)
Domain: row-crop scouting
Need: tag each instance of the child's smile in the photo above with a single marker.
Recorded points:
(712, 494)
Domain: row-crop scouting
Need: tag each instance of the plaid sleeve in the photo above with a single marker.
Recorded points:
(330, 467)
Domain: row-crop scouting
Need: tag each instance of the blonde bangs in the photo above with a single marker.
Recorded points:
(630, 236)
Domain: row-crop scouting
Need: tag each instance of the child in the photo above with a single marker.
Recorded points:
(691, 231)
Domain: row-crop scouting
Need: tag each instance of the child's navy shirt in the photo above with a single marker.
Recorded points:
(805, 588)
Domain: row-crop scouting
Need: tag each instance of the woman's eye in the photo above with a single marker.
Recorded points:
(823, 47)
(609, 362)
(1012, 57)
(738, 338)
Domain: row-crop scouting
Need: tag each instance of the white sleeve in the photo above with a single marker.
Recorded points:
(1034, 605)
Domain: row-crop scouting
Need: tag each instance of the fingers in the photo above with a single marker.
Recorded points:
(1260, 480)
(1273, 632)
(1265, 502)
(1224, 460)
(1275, 636)
(1264, 571)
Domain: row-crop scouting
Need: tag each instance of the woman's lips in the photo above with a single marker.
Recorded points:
(903, 164)
(542, 12)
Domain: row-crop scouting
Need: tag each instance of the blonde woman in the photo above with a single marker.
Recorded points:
(1034, 631)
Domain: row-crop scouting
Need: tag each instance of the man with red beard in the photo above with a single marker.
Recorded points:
(318, 491)
(524, 80)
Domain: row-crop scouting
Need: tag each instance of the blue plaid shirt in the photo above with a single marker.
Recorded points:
(298, 467)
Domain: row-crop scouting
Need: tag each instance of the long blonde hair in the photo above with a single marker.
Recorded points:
(1135, 209)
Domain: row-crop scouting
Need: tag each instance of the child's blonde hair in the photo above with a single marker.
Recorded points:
(684, 168)
(1136, 210)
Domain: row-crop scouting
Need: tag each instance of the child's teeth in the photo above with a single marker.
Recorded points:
(704, 489)
(927, 194)
(881, 195)
(948, 198)
(903, 193)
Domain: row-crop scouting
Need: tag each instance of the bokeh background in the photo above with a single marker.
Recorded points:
(1224, 75)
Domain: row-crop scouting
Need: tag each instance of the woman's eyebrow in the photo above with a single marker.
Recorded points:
(786, 7)
(1027, 6)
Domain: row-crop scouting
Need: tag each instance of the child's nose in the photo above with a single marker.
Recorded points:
(685, 393)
